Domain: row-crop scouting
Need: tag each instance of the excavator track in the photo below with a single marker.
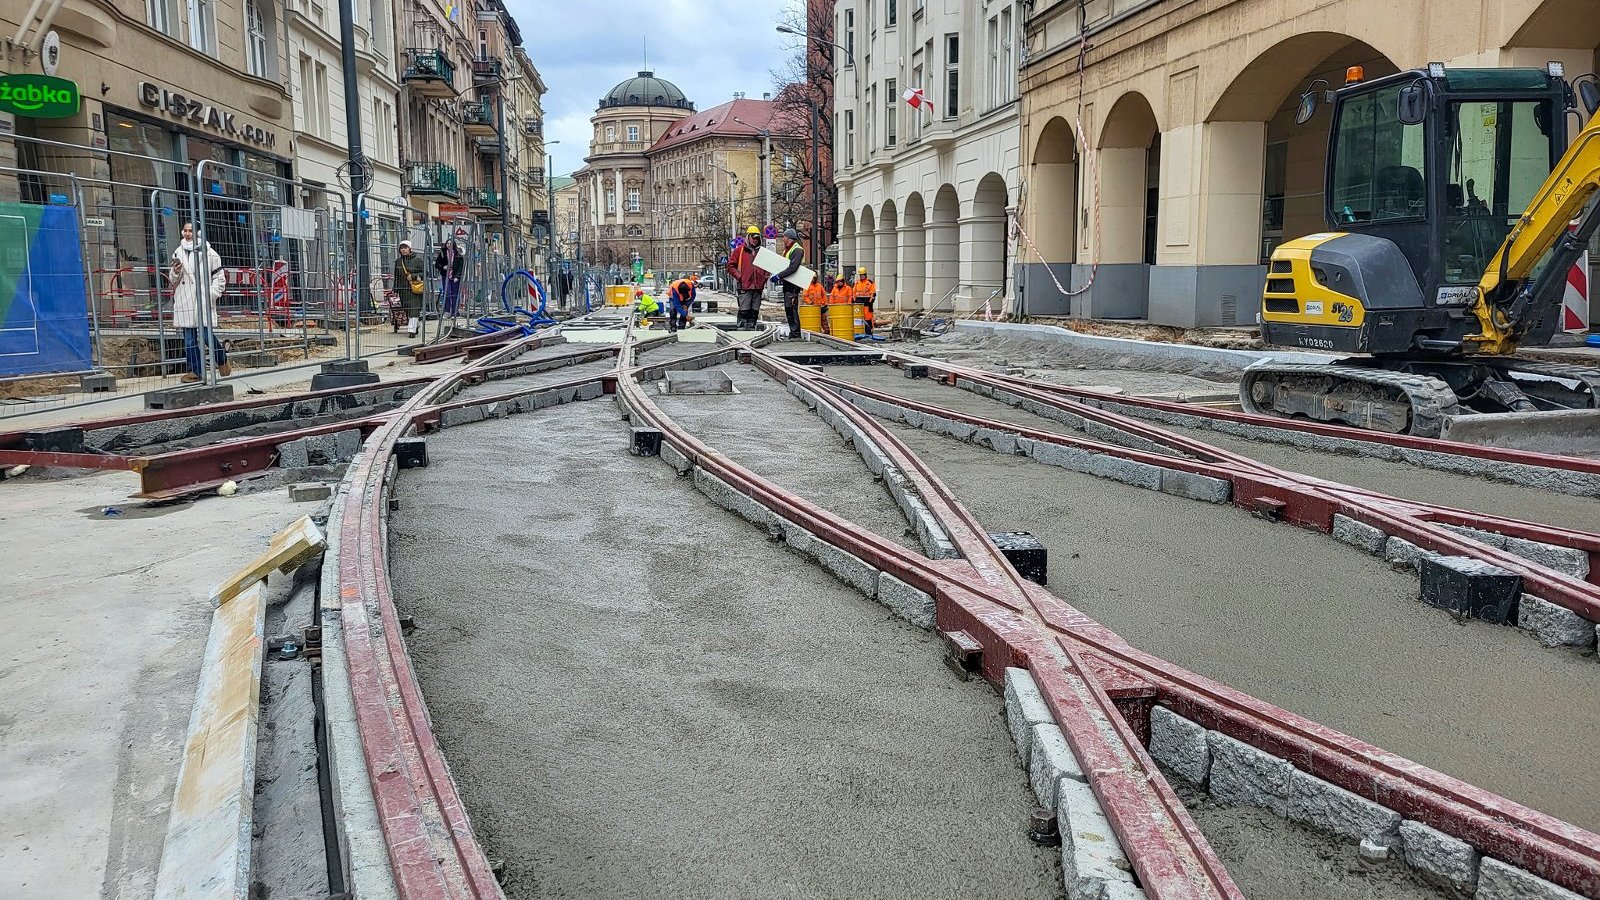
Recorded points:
(1585, 376)
(1376, 399)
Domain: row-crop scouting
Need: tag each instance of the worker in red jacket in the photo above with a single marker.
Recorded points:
(748, 280)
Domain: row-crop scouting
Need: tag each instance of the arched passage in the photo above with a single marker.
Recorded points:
(983, 244)
(865, 236)
(887, 273)
(943, 252)
(912, 282)
(1130, 179)
(1264, 97)
(1053, 195)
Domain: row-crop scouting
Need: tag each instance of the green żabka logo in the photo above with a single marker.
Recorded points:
(39, 96)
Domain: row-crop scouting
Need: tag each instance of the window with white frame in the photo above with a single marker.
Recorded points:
(1008, 58)
(633, 132)
(891, 13)
(383, 131)
(916, 84)
(162, 15)
(891, 112)
(849, 137)
(203, 26)
(994, 61)
(611, 133)
(633, 199)
(255, 40)
(611, 200)
(314, 97)
(872, 120)
(849, 35)
(952, 76)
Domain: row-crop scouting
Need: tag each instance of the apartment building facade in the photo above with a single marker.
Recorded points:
(924, 190)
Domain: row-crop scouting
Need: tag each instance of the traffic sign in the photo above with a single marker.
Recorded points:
(722, 259)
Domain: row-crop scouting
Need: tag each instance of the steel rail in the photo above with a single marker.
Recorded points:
(1166, 849)
(1404, 441)
(1312, 502)
(1351, 501)
(1555, 850)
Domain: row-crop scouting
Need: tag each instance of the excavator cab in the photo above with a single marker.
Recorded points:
(1428, 170)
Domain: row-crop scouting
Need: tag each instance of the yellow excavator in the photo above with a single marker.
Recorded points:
(1450, 197)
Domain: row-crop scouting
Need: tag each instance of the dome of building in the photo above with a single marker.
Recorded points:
(645, 89)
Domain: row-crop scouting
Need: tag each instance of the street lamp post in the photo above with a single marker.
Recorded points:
(733, 224)
(550, 219)
(766, 168)
(816, 139)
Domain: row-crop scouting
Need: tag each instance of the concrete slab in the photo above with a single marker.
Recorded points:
(699, 381)
(1440, 858)
(1569, 432)
(93, 740)
(1499, 881)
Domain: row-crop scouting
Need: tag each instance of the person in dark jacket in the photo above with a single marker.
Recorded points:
(450, 262)
(795, 254)
(409, 274)
(749, 280)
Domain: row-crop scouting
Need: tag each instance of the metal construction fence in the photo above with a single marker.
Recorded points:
(88, 289)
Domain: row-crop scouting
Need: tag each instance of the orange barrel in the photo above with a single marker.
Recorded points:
(842, 320)
(810, 318)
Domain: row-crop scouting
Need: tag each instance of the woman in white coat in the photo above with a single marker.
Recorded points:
(188, 266)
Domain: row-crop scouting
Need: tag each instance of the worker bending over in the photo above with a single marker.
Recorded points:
(681, 296)
(647, 305)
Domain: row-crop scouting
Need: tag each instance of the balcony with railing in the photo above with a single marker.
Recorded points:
(482, 198)
(477, 118)
(429, 72)
(487, 146)
(431, 179)
(487, 70)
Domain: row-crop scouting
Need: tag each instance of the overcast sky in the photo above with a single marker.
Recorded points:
(584, 48)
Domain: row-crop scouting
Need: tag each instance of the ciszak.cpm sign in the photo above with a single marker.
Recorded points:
(39, 96)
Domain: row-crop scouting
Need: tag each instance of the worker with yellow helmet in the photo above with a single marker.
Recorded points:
(866, 295)
(748, 279)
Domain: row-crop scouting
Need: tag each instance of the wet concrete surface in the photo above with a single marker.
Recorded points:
(769, 431)
(1077, 366)
(641, 697)
(1304, 622)
(1397, 479)
(1274, 859)
(654, 355)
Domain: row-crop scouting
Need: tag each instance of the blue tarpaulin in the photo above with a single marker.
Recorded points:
(44, 312)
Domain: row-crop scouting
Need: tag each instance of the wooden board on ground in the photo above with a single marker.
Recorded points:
(207, 849)
(289, 548)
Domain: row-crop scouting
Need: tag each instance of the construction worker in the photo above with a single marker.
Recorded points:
(681, 296)
(748, 279)
(795, 254)
(866, 295)
(647, 305)
(814, 295)
(843, 291)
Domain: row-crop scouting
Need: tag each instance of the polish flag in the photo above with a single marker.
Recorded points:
(1575, 303)
(915, 98)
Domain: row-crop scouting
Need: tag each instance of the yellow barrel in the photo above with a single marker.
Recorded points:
(619, 294)
(810, 318)
(842, 320)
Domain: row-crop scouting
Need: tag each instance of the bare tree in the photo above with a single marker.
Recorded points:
(804, 83)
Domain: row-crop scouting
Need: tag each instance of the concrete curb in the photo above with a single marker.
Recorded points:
(1093, 864)
(1067, 338)
(1241, 775)
(1557, 481)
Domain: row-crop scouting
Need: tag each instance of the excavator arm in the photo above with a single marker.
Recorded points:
(1505, 294)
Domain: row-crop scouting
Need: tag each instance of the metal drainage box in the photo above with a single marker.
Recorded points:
(1025, 553)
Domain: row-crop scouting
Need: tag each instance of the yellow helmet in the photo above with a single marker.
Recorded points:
(752, 230)
(862, 270)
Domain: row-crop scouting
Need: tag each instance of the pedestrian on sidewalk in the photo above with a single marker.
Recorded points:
(450, 262)
(195, 261)
(795, 253)
(409, 286)
(748, 279)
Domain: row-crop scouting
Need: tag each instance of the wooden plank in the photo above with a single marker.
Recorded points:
(288, 550)
(207, 851)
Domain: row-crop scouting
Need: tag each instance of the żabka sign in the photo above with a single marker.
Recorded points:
(39, 96)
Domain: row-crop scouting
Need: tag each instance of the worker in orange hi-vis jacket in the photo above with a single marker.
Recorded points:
(866, 295)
